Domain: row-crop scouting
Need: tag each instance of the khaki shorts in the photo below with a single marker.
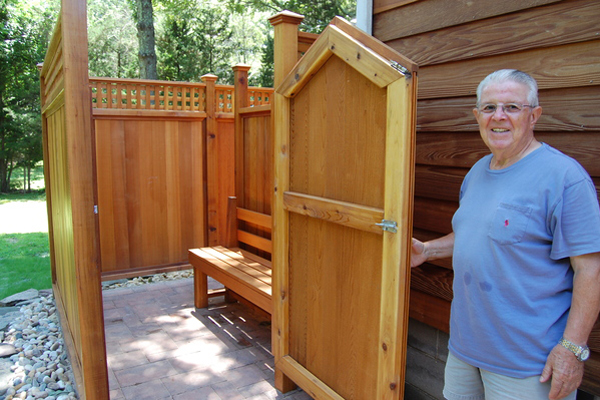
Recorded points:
(465, 382)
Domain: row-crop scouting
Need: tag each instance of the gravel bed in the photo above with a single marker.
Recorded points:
(38, 367)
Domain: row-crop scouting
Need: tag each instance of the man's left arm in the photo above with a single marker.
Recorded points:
(562, 365)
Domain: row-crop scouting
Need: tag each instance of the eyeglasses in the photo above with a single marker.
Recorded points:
(509, 108)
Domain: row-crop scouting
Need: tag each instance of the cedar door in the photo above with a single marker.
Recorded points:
(344, 166)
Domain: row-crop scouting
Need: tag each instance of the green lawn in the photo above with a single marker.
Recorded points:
(24, 257)
(24, 262)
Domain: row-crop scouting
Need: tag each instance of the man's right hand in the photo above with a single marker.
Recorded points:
(417, 255)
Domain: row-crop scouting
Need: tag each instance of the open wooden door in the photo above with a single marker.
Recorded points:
(344, 156)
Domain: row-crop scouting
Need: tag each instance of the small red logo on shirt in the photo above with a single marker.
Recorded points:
(506, 223)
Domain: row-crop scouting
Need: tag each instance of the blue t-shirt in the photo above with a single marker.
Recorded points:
(515, 230)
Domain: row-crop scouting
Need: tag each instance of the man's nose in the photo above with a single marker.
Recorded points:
(499, 112)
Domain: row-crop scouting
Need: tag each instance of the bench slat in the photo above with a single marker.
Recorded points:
(248, 258)
(252, 289)
(255, 241)
(260, 219)
(238, 266)
(240, 271)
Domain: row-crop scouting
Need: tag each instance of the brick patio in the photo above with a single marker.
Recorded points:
(160, 347)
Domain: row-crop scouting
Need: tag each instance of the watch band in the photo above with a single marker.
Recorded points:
(581, 352)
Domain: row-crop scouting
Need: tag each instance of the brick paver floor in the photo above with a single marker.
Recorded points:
(160, 347)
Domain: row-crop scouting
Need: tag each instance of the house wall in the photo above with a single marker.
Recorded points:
(456, 44)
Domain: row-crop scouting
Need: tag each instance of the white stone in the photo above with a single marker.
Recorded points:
(18, 297)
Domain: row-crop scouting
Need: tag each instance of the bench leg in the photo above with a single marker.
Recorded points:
(200, 289)
(229, 296)
(282, 382)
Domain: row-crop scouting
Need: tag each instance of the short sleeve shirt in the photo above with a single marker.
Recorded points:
(515, 230)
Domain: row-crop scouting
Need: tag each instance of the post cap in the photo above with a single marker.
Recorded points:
(286, 17)
(209, 78)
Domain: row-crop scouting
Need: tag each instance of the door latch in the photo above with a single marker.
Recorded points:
(387, 225)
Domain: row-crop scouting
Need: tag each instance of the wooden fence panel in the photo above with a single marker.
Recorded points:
(68, 172)
(151, 200)
(258, 163)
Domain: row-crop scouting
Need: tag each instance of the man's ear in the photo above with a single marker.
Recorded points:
(535, 115)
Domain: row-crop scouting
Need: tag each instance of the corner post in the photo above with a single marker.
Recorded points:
(285, 43)
(240, 73)
(215, 227)
(285, 57)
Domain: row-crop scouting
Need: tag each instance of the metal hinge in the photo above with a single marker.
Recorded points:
(387, 225)
(398, 67)
(95, 209)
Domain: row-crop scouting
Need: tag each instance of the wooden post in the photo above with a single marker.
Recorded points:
(286, 55)
(240, 83)
(215, 227)
(85, 244)
(232, 222)
(285, 46)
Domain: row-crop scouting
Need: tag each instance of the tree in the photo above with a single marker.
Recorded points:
(112, 39)
(265, 74)
(214, 39)
(317, 15)
(144, 17)
(178, 49)
(200, 37)
(23, 39)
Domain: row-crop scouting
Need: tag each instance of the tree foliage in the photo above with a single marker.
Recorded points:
(317, 13)
(204, 37)
(112, 39)
(24, 33)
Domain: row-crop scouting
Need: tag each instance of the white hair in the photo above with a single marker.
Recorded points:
(513, 75)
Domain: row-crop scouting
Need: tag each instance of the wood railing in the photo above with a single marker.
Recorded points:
(136, 94)
(259, 96)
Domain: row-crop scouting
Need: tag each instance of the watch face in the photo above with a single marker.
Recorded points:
(585, 354)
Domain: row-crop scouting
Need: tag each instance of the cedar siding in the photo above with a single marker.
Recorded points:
(456, 44)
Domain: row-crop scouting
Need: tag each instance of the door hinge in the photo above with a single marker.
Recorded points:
(387, 225)
(398, 67)
(96, 209)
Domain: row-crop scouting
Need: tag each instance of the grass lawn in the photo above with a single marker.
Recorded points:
(24, 262)
(24, 257)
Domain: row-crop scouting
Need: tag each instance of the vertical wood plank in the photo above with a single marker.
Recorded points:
(395, 280)
(240, 72)
(285, 51)
(199, 194)
(212, 161)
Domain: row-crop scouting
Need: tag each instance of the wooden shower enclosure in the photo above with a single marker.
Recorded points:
(131, 185)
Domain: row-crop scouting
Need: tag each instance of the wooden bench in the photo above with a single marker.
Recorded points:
(242, 272)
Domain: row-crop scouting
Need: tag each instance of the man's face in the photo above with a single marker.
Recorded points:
(506, 134)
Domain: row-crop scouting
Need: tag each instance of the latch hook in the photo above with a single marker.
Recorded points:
(389, 226)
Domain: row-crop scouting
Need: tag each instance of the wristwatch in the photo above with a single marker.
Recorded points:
(581, 352)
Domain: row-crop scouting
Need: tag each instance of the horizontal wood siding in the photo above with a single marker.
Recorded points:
(458, 43)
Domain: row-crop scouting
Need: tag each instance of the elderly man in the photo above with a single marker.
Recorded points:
(526, 255)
